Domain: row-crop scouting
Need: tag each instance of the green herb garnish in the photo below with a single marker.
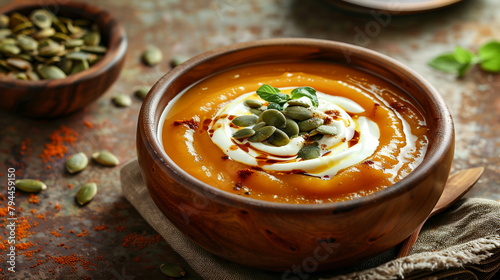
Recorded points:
(461, 59)
(277, 99)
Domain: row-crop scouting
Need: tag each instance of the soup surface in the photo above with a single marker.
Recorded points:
(362, 133)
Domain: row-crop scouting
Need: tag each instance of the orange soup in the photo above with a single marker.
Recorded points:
(308, 132)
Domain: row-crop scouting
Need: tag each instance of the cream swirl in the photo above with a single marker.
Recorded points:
(357, 139)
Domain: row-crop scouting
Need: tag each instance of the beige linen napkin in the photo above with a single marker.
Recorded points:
(460, 243)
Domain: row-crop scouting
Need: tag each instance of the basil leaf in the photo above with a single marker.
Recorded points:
(463, 56)
(308, 92)
(449, 63)
(272, 94)
(489, 55)
(276, 106)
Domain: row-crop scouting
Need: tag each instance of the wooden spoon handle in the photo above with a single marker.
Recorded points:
(409, 242)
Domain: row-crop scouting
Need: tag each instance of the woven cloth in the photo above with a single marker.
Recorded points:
(462, 242)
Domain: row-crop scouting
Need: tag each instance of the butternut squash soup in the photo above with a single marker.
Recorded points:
(308, 132)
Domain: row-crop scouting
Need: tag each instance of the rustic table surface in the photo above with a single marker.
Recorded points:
(108, 239)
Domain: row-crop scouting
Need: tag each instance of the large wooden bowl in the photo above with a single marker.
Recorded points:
(279, 236)
(53, 98)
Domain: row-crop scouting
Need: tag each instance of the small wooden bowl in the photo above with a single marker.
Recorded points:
(279, 236)
(54, 98)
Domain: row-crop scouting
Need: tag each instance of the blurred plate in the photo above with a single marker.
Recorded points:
(393, 6)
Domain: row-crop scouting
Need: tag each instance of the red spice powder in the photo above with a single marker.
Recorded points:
(120, 228)
(140, 241)
(33, 199)
(71, 186)
(56, 149)
(25, 146)
(55, 233)
(88, 124)
(73, 261)
(100, 228)
(24, 246)
(83, 233)
(57, 207)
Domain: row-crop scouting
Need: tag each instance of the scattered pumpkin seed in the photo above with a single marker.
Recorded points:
(86, 193)
(30, 185)
(310, 124)
(252, 103)
(245, 120)
(105, 157)
(262, 134)
(141, 92)
(172, 270)
(310, 151)
(273, 117)
(243, 133)
(279, 138)
(298, 113)
(76, 163)
(178, 59)
(152, 56)
(122, 100)
(327, 130)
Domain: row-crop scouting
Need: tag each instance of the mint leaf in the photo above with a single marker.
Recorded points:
(308, 92)
(449, 63)
(489, 55)
(272, 94)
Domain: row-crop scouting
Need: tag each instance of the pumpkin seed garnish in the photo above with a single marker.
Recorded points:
(310, 124)
(298, 113)
(245, 120)
(76, 163)
(279, 138)
(243, 133)
(273, 117)
(310, 151)
(172, 270)
(30, 185)
(122, 100)
(262, 134)
(105, 157)
(327, 130)
(86, 193)
(152, 56)
(252, 103)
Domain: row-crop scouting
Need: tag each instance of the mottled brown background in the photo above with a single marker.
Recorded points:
(100, 242)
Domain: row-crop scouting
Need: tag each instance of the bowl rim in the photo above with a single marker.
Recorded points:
(148, 131)
(116, 49)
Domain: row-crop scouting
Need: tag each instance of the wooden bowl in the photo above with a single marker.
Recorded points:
(53, 98)
(279, 236)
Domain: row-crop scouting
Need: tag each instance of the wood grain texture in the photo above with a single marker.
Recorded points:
(276, 236)
(54, 98)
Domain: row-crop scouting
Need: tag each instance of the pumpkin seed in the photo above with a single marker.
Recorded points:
(73, 43)
(152, 56)
(327, 130)
(86, 193)
(105, 157)
(79, 56)
(76, 163)
(16, 18)
(49, 48)
(61, 37)
(243, 133)
(262, 134)
(172, 270)
(279, 138)
(4, 21)
(245, 120)
(4, 33)
(9, 49)
(256, 112)
(259, 125)
(44, 33)
(50, 72)
(30, 185)
(32, 76)
(141, 92)
(122, 100)
(178, 59)
(310, 124)
(92, 39)
(298, 113)
(79, 66)
(66, 65)
(298, 102)
(252, 103)
(22, 76)
(27, 43)
(19, 63)
(41, 18)
(310, 151)
(94, 49)
(22, 26)
(291, 128)
(273, 117)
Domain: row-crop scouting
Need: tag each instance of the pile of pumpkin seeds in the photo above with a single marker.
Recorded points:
(42, 45)
(276, 127)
